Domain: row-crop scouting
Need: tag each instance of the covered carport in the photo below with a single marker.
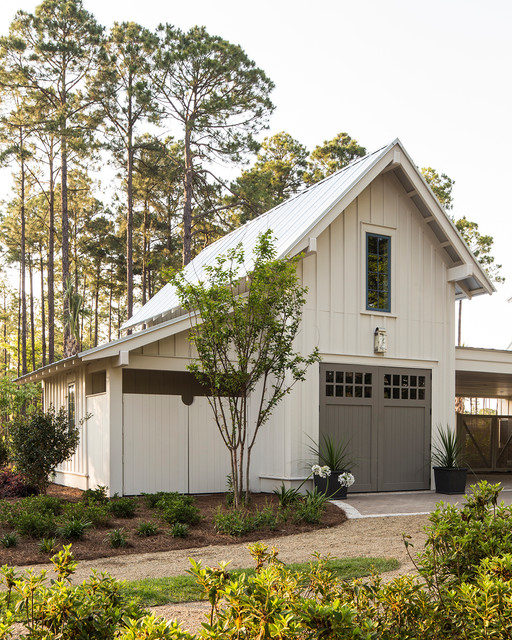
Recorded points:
(487, 434)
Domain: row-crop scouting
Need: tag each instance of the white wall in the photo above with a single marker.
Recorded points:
(420, 326)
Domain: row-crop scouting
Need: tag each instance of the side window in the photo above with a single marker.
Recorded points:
(378, 272)
(71, 405)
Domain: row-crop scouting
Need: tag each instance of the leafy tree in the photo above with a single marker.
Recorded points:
(441, 185)
(40, 442)
(218, 97)
(480, 245)
(277, 174)
(245, 343)
(123, 87)
(332, 156)
(52, 54)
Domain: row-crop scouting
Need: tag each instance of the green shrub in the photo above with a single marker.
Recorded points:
(153, 499)
(50, 504)
(146, 529)
(123, 507)
(97, 514)
(117, 538)
(73, 528)
(181, 509)
(265, 518)
(234, 522)
(95, 609)
(179, 530)
(9, 539)
(41, 442)
(458, 540)
(47, 545)
(310, 508)
(35, 524)
(277, 602)
(286, 496)
(95, 496)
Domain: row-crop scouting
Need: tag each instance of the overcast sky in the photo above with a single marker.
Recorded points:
(437, 75)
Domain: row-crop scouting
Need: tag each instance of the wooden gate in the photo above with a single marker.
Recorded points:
(487, 441)
(384, 415)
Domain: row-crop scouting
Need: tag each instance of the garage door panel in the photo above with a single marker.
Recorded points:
(403, 449)
(154, 444)
(352, 424)
(384, 413)
(209, 456)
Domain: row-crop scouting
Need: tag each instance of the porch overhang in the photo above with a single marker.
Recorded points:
(483, 373)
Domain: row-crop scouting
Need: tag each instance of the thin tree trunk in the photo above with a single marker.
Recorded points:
(129, 213)
(51, 264)
(68, 347)
(19, 326)
(32, 328)
(43, 319)
(5, 334)
(187, 206)
(96, 303)
(110, 307)
(144, 255)
(23, 265)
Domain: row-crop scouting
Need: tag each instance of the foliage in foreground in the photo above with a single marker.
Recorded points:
(463, 591)
(152, 592)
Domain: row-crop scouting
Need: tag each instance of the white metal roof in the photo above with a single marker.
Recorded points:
(289, 221)
(292, 221)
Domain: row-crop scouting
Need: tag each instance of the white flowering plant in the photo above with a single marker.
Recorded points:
(346, 479)
(323, 472)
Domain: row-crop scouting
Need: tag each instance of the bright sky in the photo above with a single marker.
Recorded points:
(437, 75)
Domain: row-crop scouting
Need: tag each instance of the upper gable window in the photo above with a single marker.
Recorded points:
(378, 272)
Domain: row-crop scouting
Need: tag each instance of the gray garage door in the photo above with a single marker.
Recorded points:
(384, 413)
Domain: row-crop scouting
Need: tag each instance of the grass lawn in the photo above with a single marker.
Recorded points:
(152, 592)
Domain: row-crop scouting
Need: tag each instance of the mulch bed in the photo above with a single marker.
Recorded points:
(95, 545)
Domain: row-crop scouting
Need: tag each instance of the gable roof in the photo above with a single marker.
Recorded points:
(308, 213)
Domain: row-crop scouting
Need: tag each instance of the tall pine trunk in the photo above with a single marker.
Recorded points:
(187, 206)
(43, 318)
(51, 264)
(129, 212)
(68, 339)
(32, 327)
(23, 258)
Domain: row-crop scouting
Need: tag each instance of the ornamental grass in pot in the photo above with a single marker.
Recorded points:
(336, 457)
(447, 461)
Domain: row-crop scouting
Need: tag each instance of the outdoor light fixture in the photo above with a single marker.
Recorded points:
(380, 340)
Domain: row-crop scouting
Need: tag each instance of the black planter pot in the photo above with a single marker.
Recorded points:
(450, 480)
(331, 486)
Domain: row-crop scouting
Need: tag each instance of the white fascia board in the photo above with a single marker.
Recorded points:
(66, 364)
(136, 340)
(335, 208)
(461, 272)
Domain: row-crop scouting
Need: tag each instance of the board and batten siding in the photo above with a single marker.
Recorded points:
(420, 327)
(74, 471)
(170, 446)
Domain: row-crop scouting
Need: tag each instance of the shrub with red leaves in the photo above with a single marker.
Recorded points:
(14, 485)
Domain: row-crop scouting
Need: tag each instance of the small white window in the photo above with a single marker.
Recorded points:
(71, 405)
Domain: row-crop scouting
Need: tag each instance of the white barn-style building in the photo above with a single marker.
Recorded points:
(383, 264)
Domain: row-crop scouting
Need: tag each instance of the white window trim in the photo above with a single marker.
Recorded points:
(382, 231)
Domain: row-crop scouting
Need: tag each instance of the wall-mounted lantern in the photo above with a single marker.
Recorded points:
(380, 340)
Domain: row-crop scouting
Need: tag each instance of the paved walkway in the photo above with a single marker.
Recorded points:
(403, 503)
